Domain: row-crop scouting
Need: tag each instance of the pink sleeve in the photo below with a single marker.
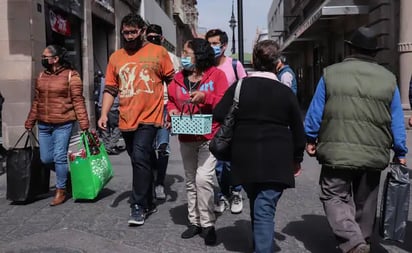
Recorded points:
(241, 73)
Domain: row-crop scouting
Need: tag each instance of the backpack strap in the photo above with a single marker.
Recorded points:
(234, 65)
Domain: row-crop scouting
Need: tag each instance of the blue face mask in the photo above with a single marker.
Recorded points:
(218, 51)
(187, 63)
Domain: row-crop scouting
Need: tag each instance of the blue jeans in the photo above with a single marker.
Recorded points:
(54, 143)
(223, 175)
(263, 198)
(162, 148)
(139, 146)
(162, 136)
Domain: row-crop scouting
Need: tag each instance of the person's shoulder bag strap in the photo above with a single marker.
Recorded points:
(234, 65)
(237, 92)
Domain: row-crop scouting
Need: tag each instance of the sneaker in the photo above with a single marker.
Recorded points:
(221, 205)
(236, 203)
(112, 151)
(120, 148)
(160, 192)
(151, 210)
(209, 234)
(137, 215)
(191, 231)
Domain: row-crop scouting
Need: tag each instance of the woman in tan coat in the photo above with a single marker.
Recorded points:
(57, 104)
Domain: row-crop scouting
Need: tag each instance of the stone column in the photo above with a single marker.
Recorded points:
(22, 41)
(87, 61)
(405, 50)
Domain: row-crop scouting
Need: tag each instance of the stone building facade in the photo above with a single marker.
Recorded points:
(313, 32)
(90, 30)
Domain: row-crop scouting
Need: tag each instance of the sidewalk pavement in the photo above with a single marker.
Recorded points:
(101, 225)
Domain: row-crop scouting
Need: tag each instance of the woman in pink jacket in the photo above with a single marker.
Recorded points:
(201, 83)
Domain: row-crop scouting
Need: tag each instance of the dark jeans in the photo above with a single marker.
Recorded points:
(112, 134)
(224, 179)
(349, 199)
(139, 146)
(263, 198)
(160, 163)
(161, 153)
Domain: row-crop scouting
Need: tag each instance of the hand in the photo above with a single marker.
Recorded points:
(174, 112)
(297, 169)
(311, 149)
(28, 126)
(197, 97)
(167, 125)
(399, 160)
(410, 121)
(102, 123)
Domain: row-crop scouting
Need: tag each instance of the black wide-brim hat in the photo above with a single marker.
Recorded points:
(364, 38)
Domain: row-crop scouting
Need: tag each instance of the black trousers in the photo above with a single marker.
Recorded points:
(349, 199)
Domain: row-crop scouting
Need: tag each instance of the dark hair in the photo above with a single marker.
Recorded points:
(134, 20)
(356, 51)
(153, 28)
(204, 54)
(217, 32)
(155, 39)
(60, 52)
(283, 59)
(265, 55)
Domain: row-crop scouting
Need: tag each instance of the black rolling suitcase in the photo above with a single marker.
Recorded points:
(27, 177)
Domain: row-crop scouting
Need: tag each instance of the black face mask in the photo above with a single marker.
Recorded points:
(46, 64)
(155, 39)
(132, 45)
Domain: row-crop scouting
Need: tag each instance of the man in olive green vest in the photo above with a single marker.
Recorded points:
(353, 121)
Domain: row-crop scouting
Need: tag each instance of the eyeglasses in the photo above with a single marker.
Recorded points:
(46, 56)
(131, 32)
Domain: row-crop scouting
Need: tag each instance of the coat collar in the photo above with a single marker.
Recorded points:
(264, 74)
(360, 57)
(58, 71)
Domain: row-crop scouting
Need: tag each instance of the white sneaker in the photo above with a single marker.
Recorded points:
(221, 205)
(236, 203)
(160, 192)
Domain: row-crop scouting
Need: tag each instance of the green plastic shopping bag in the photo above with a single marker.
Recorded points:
(90, 168)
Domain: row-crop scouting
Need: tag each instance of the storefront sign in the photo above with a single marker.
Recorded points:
(59, 24)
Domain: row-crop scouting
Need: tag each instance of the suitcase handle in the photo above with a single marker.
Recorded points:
(30, 135)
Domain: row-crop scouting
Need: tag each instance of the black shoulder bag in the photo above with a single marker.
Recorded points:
(220, 145)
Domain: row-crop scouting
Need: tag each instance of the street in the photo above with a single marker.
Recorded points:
(101, 225)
